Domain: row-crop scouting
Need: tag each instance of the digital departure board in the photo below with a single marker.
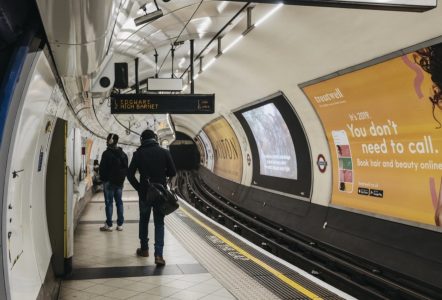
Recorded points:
(163, 103)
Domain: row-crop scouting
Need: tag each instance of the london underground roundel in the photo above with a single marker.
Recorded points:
(322, 163)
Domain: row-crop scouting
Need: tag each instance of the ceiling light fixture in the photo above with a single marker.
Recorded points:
(209, 64)
(259, 22)
(148, 17)
(232, 44)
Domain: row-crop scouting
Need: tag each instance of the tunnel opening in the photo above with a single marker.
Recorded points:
(184, 152)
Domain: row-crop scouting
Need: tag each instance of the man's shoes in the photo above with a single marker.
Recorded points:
(106, 228)
(120, 227)
(143, 253)
(159, 261)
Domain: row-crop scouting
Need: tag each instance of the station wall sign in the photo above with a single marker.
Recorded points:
(322, 163)
(163, 103)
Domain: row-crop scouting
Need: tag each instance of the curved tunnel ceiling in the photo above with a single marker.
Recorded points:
(80, 49)
(306, 42)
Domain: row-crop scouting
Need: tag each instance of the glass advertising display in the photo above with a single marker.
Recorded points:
(280, 151)
(277, 154)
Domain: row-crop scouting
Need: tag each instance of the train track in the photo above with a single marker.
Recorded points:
(359, 278)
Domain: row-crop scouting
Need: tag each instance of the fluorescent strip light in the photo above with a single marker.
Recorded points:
(195, 76)
(233, 44)
(209, 63)
(148, 17)
(185, 87)
(222, 6)
(181, 63)
(268, 15)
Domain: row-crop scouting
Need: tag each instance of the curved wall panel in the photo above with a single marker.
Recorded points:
(293, 46)
(28, 244)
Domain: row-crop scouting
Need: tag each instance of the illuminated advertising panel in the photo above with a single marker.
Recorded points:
(226, 149)
(281, 156)
(383, 125)
(276, 151)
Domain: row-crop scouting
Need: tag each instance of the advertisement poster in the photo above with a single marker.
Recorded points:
(383, 125)
(89, 171)
(226, 150)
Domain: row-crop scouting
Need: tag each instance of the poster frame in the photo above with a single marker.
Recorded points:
(363, 65)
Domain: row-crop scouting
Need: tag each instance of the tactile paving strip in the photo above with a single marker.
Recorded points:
(236, 281)
(243, 268)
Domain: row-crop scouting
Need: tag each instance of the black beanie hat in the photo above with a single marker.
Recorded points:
(147, 134)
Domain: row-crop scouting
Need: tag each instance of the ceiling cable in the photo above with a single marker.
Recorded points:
(127, 129)
(217, 35)
(120, 45)
(155, 1)
(156, 63)
(181, 32)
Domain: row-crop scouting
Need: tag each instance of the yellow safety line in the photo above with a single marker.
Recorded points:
(259, 262)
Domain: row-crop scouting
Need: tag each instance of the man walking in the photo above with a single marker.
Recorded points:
(154, 164)
(113, 170)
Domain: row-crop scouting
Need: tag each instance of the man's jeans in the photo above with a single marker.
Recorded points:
(145, 209)
(111, 192)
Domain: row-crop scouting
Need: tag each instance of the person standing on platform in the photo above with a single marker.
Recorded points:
(154, 164)
(113, 171)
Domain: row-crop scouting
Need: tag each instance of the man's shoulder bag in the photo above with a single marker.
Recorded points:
(167, 200)
(170, 202)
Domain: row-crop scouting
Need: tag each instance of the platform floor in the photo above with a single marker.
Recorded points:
(201, 262)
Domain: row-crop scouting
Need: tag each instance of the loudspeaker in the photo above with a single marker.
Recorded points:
(103, 80)
(121, 76)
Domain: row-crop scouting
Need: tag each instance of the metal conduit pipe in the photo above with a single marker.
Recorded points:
(192, 80)
(137, 83)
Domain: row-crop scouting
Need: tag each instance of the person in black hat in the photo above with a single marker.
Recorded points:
(154, 164)
(113, 170)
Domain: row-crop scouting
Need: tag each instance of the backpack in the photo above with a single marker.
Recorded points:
(119, 171)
